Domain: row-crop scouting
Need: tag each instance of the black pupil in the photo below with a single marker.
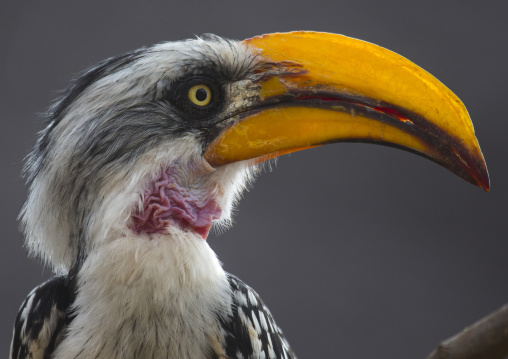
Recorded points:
(201, 95)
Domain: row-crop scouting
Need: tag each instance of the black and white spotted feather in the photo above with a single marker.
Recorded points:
(250, 331)
(42, 320)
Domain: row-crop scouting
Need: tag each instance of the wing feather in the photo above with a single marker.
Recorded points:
(41, 320)
(250, 331)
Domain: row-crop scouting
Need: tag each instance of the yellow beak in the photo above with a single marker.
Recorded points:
(319, 88)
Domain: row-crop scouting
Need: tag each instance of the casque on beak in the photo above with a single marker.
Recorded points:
(320, 88)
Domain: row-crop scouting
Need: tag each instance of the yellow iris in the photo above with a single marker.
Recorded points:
(200, 95)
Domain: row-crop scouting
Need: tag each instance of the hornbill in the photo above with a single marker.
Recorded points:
(146, 150)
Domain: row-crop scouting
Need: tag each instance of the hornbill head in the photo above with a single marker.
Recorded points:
(160, 141)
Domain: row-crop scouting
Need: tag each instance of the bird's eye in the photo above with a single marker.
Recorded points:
(200, 95)
(198, 98)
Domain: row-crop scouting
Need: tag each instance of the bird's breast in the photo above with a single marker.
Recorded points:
(157, 298)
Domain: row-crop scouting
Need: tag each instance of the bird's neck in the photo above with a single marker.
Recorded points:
(169, 202)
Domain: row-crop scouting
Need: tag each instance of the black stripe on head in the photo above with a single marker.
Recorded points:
(90, 76)
(57, 111)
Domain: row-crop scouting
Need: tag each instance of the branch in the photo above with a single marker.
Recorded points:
(485, 339)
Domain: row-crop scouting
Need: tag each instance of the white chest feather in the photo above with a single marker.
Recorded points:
(148, 298)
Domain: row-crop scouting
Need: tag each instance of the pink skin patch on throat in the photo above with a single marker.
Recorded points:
(167, 203)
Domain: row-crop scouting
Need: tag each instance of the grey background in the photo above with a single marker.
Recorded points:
(360, 251)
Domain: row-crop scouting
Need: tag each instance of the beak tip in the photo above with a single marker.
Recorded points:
(485, 182)
(481, 176)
